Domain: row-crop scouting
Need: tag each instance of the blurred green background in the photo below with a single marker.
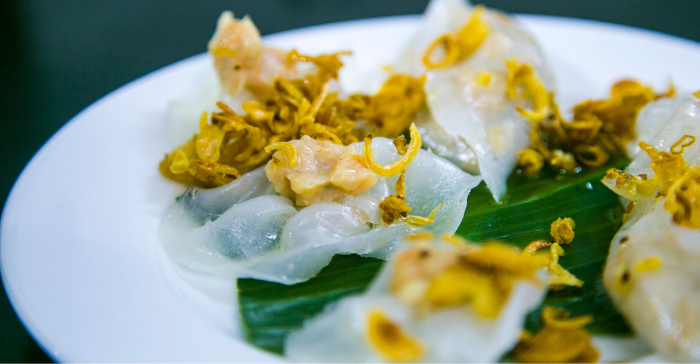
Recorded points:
(57, 57)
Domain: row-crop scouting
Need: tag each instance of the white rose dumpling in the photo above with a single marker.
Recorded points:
(285, 221)
(652, 271)
(474, 121)
(435, 302)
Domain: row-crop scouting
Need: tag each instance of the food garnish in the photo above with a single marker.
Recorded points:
(599, 130)
(562, 231)
(393, 108)
(401, 164)
(524, 84)
(480, 278)
(434, 301)
(303, 106)
(648, 265)
(395, 207)
(458, 45)
(668, 167)
(288, 153)
(390, 340)
(560, 277)
(673, 179)
(618, 113)
(561, 340)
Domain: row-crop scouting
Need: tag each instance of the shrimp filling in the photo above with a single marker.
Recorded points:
(242, 61)
(318, 171)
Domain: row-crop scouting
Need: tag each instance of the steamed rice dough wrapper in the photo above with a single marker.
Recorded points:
(652, 272)
(474, 60)
(665, 142)
(661, 124)
(436, 300)
(284, 222)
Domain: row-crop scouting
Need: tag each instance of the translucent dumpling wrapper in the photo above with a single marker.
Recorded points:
(472, 120)
(651, 119)
(661, 124)
(653, 277)
(652, 271)
(184, 110)
(244, 229)
(389, 322)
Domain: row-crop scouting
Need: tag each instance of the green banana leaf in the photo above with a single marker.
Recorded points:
(271, 310)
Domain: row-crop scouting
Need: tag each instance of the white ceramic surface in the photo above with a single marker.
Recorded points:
(78, 248)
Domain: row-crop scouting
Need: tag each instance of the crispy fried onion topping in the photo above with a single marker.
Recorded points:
(392, 109)
(561, 340)
(391, 341)
(453, 47)
(631, 184)
(524, 84)
(287, 151)
(232, 144)
(562, 231)
(401, 164)
(599, 130)
(394, 208)
(684, 199)
(480, 278)
(673, 178)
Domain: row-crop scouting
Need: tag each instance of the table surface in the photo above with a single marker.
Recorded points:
(60, 56)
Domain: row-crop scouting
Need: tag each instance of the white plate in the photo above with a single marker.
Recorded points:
(80, 259)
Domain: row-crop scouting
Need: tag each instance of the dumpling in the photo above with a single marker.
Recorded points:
(652, 271)
(474, 119)
(434, 301)
(284, 224)
(243, 70)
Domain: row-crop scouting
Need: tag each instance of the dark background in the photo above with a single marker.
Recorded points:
(57, 57)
